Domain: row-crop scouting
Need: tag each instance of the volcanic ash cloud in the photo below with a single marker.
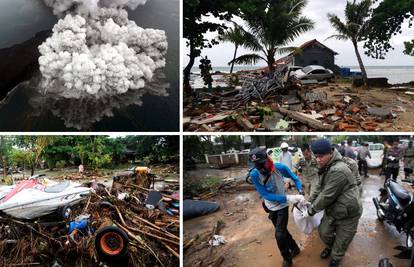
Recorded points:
(96, 50)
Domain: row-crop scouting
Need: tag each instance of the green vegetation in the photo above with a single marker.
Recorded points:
(95, 152)
(197, 186)
(269, 30)
(387, 19)
(277, 23)
(354, 28)
(236, 36)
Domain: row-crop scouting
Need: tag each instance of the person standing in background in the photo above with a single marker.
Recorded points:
(286, 157)
(349, 152)
(409, 160)
(363, 153)
(393, 157)
(309, 170)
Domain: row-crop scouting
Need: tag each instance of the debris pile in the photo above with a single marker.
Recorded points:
(122, 226)
(276, 103)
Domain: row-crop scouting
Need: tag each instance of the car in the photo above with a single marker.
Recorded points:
(313, 72)
(377, 154)
(292, 69)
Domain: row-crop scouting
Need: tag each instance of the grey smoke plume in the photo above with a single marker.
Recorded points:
(96, 50)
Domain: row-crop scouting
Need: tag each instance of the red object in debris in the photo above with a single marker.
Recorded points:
(355, 109)
(19, 187)
(339, 113)
(219, 124)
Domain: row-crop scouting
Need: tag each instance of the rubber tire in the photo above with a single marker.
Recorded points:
(62, 212)
(102, 255)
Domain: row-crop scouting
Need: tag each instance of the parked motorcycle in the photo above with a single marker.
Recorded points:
(395, 205)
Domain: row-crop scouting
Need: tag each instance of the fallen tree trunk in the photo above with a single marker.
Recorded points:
(306, 119)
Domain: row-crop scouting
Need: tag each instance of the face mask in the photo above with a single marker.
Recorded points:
(266, 168)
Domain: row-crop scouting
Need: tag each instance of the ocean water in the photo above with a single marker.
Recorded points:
(395, 74)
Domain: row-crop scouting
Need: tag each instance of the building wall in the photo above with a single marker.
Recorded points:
(315, 56)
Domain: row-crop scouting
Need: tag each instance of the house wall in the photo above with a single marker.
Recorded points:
(315, 56)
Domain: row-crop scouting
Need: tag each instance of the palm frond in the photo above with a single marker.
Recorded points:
(338, 37)
(247, 59)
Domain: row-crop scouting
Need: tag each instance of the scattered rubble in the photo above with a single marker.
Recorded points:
(111, 225)
(274, 103)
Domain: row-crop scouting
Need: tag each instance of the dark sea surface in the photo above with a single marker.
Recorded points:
(25, 109)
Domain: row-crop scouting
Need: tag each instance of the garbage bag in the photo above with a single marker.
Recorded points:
(196, 208)
(308, 224)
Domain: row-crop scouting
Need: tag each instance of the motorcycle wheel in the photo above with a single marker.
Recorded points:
(111, 243)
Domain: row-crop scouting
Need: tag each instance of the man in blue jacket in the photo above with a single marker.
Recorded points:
(268, 178)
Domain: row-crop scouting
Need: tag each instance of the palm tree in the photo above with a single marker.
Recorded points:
(234, 35)
(354, 28)
(270, 30)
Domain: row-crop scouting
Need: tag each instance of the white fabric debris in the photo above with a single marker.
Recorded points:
(96, 50)
(306, 224)
(217, 240)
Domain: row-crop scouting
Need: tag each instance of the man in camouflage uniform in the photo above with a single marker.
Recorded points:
(309, 169)
(338, 196)
(409, 160)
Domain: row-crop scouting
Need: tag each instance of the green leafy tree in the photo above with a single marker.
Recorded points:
(271, 29)
(236, 36)
(5, 146)
(354, 28)
(97, 155)
(409, 48)
(195, 26)
(33, 147)
(386, 21)
(205, 68)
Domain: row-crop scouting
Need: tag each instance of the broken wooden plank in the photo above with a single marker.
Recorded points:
(245, 123)
(213, 118)
(306, 119)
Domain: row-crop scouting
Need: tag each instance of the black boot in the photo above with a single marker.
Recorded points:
(295, 252)
(326, 253)
(334, 263)
(287, 263)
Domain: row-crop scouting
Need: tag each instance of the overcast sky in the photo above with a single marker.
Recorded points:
(317, 10)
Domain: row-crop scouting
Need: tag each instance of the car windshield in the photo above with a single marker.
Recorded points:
(307, 69)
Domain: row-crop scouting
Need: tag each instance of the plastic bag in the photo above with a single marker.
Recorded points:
(308, 224)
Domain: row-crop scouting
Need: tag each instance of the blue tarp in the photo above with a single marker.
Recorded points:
(196, 208)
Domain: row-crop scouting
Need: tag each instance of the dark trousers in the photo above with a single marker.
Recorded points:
(284, 240)
(363, 167)
(391, 173)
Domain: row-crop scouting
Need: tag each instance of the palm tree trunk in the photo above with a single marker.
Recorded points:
(234, 56)
(271, 61)
(361, 65)
(187, 70)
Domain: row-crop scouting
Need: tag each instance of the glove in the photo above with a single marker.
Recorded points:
(295, 198)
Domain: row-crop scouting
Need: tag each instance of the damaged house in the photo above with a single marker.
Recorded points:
(313, 53)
